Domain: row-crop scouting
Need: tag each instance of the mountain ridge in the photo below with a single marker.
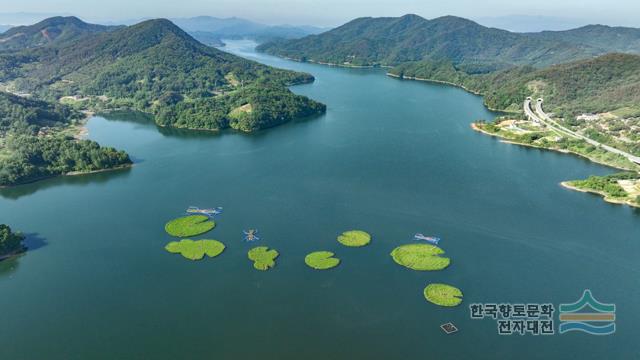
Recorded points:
(156, 67)
(392, 41)
(49, 31)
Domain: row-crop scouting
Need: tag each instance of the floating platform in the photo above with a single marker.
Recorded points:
(449, 328)
(194, 210)
(430, 239)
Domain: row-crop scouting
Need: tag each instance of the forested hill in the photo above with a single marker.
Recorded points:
(470, 46)
(606, 38)
(606, 83)
(156, 67)
(26, 116)
(54, 30)
(26, 157)
(210, 30)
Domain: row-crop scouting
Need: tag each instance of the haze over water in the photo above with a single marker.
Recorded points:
(390, 157)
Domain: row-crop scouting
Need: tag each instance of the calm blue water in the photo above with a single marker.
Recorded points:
(390, 157)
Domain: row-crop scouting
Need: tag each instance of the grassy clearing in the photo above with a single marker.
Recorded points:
(321, 260)
(195, 250)
(263, 258)
(423, 257)
(189, 226)
(443, 294)
(354, 238)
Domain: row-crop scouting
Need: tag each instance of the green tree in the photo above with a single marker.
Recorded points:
(10, 242)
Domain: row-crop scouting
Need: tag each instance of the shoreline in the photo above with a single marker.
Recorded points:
(566, 184)
(14, 254)
(82, 132)
(333, 64)
(460, 86)
(399, 77)
(437, 82)
(562, 151)
(71, 173)
(605, 197)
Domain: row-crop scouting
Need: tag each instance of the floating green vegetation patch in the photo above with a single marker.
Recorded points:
(443, 294)
(354, 238)
(263, 258)
(321, 260)
(195, 250)
(420, 257)
(189, 226)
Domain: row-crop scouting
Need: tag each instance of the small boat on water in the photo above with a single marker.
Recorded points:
(194, 210)
(429, 239)
(251, 235)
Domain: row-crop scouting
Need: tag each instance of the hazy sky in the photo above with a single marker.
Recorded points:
(332, 12)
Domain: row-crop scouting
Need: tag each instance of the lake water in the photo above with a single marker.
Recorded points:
(391, 157)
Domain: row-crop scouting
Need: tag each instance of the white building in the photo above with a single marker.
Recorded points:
(588, 117)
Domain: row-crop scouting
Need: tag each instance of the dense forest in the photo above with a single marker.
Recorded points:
(605, 83)
(10, 242)
(34, 158)
(248, 109)
(472, 48)
(156, 67)
(24, 116)
(28, 157)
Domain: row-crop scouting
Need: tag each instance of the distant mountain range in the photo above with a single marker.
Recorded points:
(211, 30)
(237, 27)
(154, 67)
(207, 29)
(469, 46)
(54, 30)
(601, 37)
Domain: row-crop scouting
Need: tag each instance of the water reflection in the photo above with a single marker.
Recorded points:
(16, 192)
(145, 119)
(136, 117)
(9, 266)
(32, 242)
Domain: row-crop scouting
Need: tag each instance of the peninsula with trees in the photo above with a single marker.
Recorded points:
(37, 142)
(156, 67)
(53, 71)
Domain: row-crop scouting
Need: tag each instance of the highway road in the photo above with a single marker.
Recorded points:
(542, 117)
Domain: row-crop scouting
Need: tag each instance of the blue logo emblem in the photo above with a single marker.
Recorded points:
(588, 315)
